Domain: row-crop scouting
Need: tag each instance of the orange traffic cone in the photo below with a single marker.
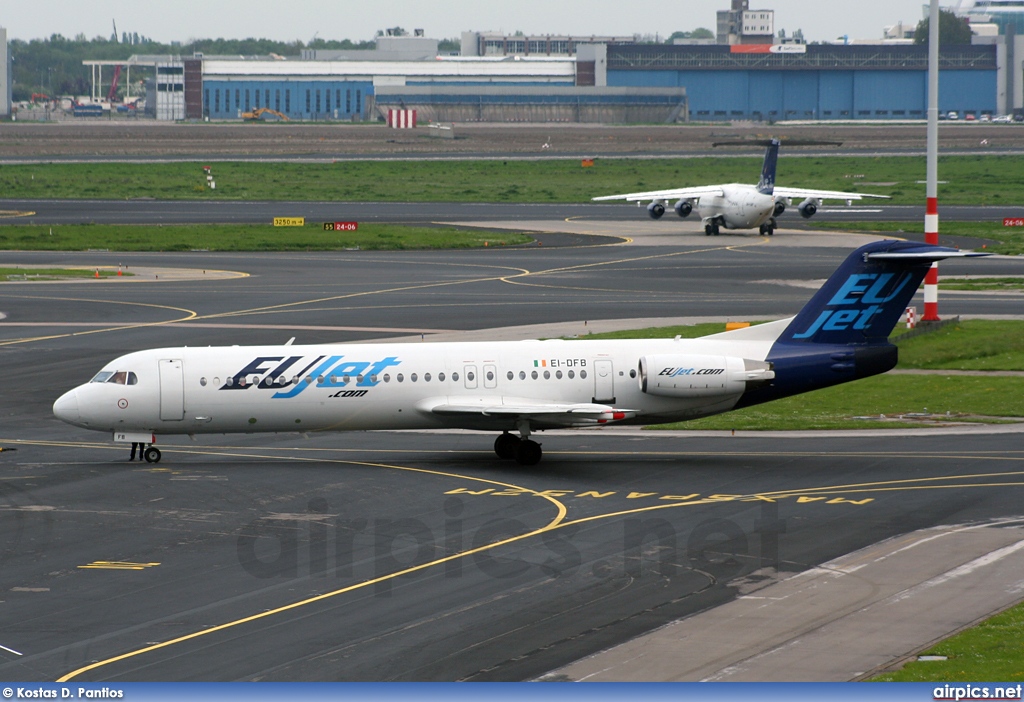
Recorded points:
(119, 270)
(97, 272)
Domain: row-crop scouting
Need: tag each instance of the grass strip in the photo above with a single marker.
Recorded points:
(246, 237)
(985, 180)
(974, 344)
(991, 651)
(996, 284)
(1011, 239)
(970, 398)
(40, 274)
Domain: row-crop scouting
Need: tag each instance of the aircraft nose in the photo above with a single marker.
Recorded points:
(66, 407)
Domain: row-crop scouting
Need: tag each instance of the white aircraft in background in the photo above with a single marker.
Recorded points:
(521, 386)
(736, 205)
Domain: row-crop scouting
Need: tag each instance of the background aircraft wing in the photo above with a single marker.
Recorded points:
(563, 414)
(673, 194)
(822, 194)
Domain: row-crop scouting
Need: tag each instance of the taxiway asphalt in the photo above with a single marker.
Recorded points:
(144, 211)
(421, 556)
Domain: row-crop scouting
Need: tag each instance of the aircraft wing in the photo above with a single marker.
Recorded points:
(822, 194)
(673, 194)
(554, 413)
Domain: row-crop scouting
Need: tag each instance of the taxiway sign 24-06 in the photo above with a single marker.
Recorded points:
(841, 334)
(739, 205)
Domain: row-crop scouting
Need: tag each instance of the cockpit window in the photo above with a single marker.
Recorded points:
(116, 377)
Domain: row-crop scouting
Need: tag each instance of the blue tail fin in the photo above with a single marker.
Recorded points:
(842, 333)
(766, 185)
(862, 301)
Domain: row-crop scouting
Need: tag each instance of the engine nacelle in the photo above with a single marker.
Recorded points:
(808, 207)
(678, 375)
(780, 207)
(656, 209)
(684, 208)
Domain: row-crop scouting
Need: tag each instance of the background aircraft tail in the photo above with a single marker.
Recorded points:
(766, 185)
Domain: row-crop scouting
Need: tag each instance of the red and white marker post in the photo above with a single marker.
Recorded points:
(931, 278)
(931, 217)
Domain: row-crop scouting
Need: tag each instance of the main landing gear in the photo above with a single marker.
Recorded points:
(526, 451)
(768, 228)
(711, 228)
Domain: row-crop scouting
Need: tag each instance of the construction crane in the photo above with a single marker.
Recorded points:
(260, 111)
(112, 93)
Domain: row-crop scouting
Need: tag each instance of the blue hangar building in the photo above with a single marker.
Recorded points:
(600, 82)
(815, 81)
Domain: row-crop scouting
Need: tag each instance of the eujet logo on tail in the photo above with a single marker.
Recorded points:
(859, 299)
(272, 373)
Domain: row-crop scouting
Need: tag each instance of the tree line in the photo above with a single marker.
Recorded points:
(53, 66)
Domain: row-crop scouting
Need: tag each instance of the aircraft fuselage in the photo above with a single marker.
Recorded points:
(739, 207)
(401, 386)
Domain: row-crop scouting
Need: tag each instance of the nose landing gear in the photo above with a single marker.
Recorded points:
(152, 455)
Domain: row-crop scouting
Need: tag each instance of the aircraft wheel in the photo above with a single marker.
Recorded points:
(506, 444)
(528, 453)
(152, 455)
(708, 229)
(714, 229)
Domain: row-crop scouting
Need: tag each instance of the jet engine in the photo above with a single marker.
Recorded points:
(684, 208)
(678, 375)
(808, 207)
(780, 207)
(656, 209)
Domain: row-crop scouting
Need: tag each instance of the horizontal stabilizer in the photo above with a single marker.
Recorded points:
(925, 253)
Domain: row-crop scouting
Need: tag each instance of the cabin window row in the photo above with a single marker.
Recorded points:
(399, 377)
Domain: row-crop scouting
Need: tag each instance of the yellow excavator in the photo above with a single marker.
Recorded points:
(258, 113)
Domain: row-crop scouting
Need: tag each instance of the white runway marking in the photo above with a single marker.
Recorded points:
(849, 210)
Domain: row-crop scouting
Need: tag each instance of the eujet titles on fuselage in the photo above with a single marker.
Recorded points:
(515, 388)
(739, 205)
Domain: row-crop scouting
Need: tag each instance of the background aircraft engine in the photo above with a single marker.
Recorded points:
(684, 208)
(677, 375)
(780, 207)
(808, 207)
(656, 210)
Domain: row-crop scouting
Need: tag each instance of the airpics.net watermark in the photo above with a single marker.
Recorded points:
(323, 545)
(963, 693)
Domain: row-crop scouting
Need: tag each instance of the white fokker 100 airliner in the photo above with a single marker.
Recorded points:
(522, 386)
(738, 205)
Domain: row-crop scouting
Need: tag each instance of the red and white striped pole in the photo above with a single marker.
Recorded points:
(931, 278)
(931, 216)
